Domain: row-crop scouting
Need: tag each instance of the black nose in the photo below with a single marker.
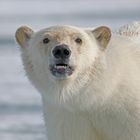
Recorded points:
(61, 52)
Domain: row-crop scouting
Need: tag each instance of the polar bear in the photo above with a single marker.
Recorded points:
(89, 81)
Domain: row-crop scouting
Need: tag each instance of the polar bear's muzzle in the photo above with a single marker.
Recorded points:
(61, 58)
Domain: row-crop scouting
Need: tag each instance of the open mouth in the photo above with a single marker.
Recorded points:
(61, 69)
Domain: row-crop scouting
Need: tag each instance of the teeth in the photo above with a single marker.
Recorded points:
(60, 67)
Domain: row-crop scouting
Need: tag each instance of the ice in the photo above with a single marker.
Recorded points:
(21, 114)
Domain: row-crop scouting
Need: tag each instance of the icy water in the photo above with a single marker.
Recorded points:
(20, 105)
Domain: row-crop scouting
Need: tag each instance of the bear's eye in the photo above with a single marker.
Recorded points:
(46, 40)
(78, 40)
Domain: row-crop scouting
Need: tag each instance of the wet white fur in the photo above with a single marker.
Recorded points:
(100, 105)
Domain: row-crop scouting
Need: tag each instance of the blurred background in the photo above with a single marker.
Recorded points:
(20, 105)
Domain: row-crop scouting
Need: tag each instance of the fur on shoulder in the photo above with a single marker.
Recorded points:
(130, 30)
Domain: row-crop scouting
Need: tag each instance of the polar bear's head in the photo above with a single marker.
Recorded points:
(61, 54)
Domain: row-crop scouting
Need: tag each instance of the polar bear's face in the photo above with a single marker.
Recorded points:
(62, 54)
(62, 51)
(62, 48)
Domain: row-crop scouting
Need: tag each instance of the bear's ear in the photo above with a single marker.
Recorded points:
(23, 35)
(103, 35)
